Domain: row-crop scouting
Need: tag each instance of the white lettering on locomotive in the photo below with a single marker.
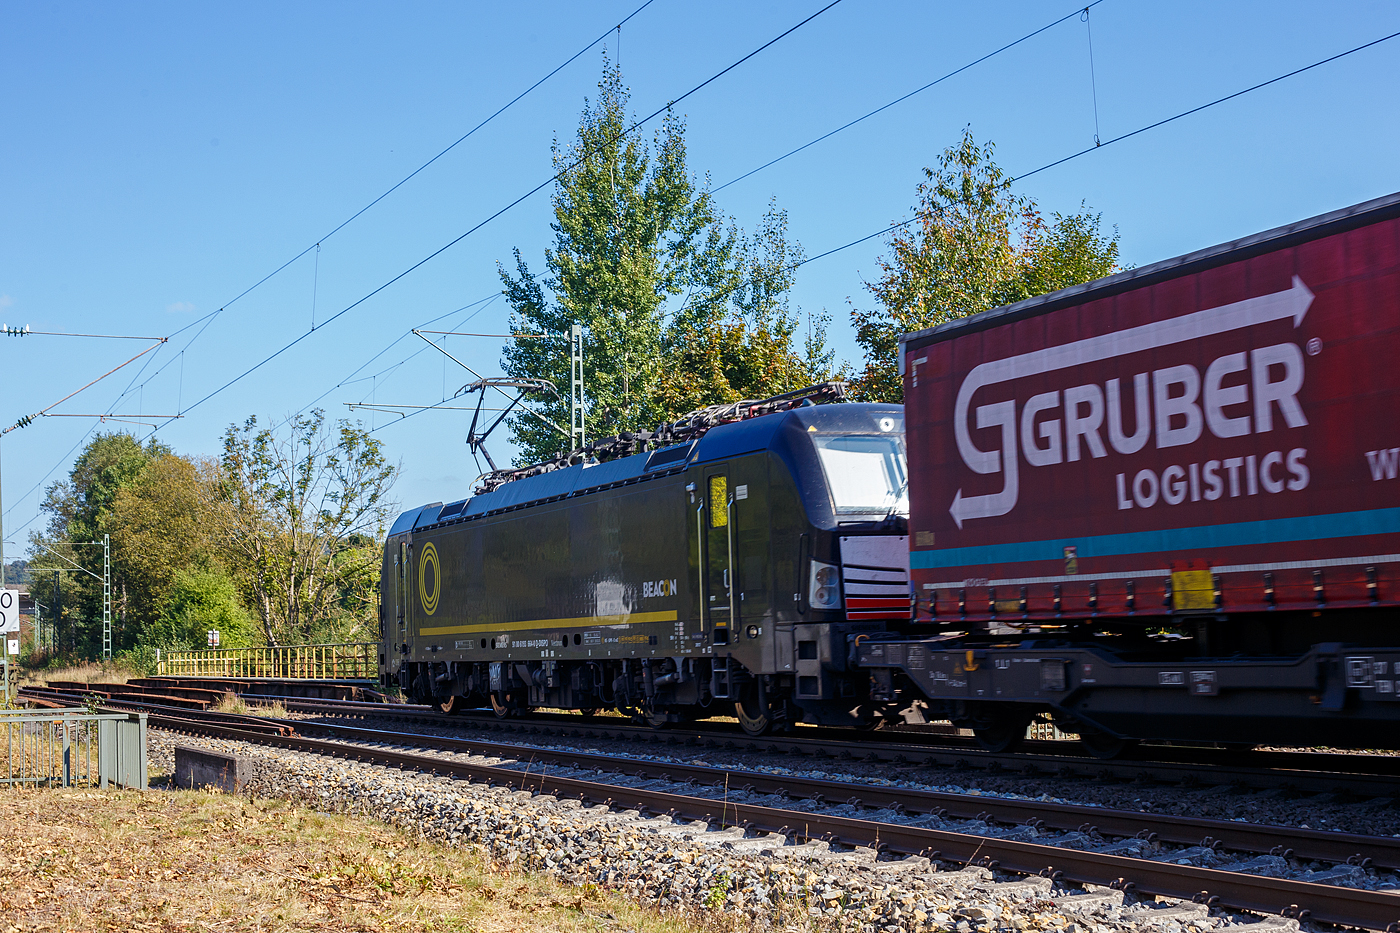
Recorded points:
(652, 588)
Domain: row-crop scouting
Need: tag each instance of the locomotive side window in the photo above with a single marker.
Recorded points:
(719, 502)
(866, 473)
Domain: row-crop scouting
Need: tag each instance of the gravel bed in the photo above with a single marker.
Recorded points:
(1203, 857)
(1377, 816)
(688, 867)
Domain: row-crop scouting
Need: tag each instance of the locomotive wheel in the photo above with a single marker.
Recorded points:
(752, 719)
(657, 719)
(501, 709)
(452, 705)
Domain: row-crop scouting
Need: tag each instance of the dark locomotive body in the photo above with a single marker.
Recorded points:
(695, 579)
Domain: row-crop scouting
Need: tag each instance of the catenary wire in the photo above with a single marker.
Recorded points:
(343, 224)
(1220, 100)
(542, 185)
(892, 227)
(1140, 130)
(350, 379)
(899, 100)
(209, 318)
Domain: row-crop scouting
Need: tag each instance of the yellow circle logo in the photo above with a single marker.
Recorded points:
(429, 598)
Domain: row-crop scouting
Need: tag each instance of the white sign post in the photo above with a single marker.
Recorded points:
(9, 625)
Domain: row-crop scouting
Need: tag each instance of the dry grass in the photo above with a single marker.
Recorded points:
(90, 672)
(233, 703)
(190, 861)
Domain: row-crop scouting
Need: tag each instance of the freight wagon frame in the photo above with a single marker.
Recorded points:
(1165, 504)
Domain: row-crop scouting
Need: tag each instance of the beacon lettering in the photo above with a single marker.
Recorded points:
(1237, 394)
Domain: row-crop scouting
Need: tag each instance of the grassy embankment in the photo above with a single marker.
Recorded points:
(84, 862)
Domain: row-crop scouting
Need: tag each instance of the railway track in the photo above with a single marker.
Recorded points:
(687, 793)
(1355, 775)
(1308, 772)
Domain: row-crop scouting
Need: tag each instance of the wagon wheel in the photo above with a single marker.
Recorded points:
(656, 718)
(753, 717)
(1000, 731)
(452, 705)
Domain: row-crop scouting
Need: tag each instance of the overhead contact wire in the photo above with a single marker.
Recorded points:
(902, 99)
(316, 246)
(1220, 100)
(541, 186)
(1151, 126)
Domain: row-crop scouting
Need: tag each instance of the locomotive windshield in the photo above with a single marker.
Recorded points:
(867, 473)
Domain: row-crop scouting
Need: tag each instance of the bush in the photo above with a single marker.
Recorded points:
(200, 600)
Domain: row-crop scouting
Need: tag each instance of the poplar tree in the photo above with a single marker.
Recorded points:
(679, 307)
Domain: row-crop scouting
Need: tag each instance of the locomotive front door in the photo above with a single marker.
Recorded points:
(719, 558)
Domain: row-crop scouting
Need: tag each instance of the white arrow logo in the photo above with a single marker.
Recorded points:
(1290, 303)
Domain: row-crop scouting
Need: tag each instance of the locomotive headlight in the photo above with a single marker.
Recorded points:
(826, 586)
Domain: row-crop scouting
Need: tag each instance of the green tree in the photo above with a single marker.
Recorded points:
(199, 600)
(973, 245)
(80, 511)
(679, 307)
(299, 517)
(160, 526)
(715, 355)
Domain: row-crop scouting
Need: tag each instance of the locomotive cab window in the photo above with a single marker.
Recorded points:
(866, 473)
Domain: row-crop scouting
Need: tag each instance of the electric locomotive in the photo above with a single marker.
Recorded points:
(723, 571)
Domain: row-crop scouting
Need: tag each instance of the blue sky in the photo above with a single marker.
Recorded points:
(159, 159)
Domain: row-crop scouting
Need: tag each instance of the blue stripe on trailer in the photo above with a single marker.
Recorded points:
(1305, 528)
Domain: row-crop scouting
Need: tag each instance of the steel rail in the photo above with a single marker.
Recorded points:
(931, 738)
(1372, 910)
(1254, 838)
(1362, 775)
(1376, 775)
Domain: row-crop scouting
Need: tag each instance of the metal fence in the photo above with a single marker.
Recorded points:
(74, 748)
(350, 661)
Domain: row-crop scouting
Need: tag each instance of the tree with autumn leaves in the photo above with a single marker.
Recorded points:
(972, 245)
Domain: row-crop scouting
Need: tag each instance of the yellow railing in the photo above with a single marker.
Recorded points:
(351, 661)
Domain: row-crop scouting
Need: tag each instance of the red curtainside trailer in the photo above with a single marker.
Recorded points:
(1215, 433)
(1165, 504)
